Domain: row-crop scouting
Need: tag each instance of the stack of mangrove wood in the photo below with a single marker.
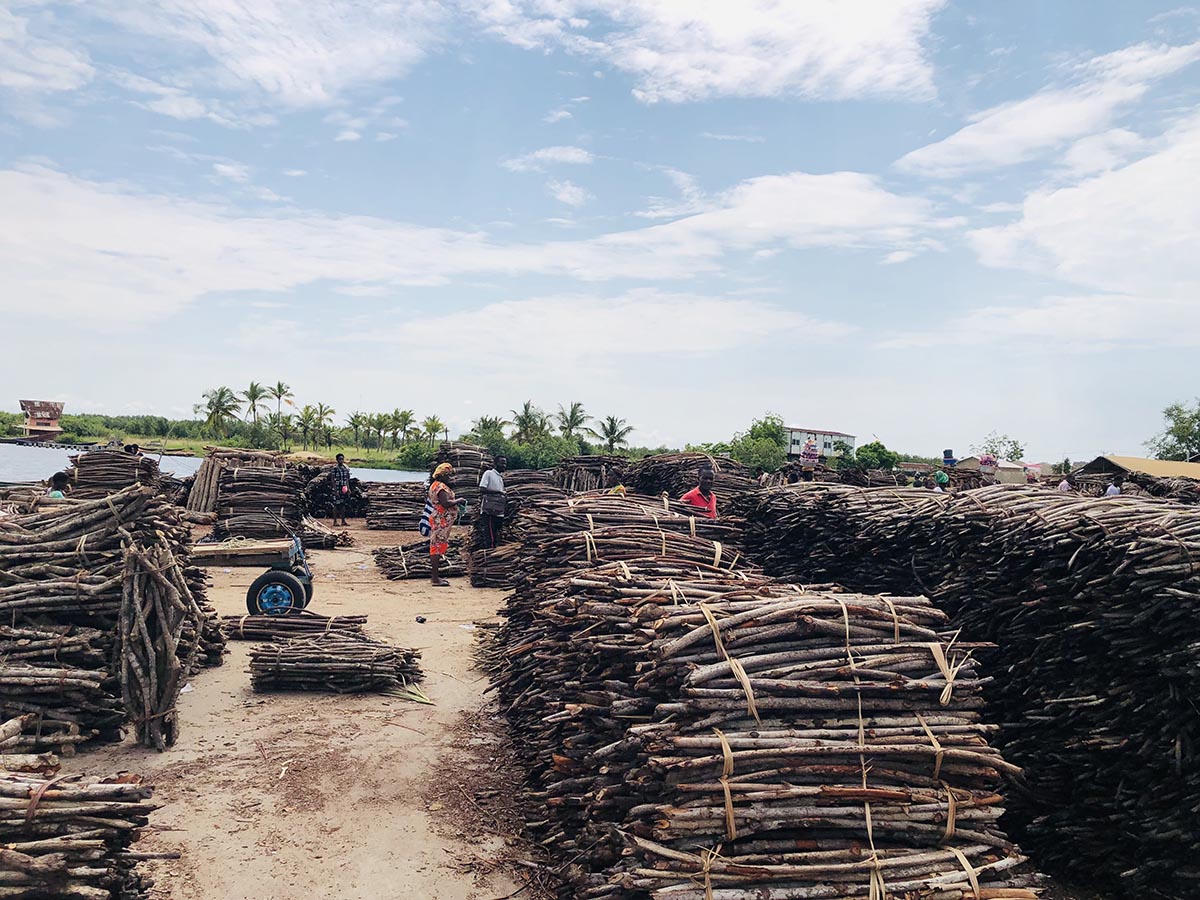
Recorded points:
(318, 494)
(677, 473)
(245, 495)
(316, 535)
(70, 837)
(202, 498)
(118, 568)
(412, 561)
(286, 627)
(337, 662)
(22, 497)
(689, 733)
(493, 566)
(1095, 605)
(580, 474)
(99, 473)
(395, 504)
(470, 461)
(515, 478)
(1181, 490)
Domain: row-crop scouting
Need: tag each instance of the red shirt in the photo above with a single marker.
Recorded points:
(696, 499)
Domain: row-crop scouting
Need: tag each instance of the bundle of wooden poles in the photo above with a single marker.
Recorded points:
(580, 474)
(337, 662)
(246, 494)
(316, 535)
(295, 624)
(106, 616)
(99, 473)
(677, 473)
(1094, 604)
(395, 504)
(412, 561)
(693, 732)
(318, 493)
(470, 461)
(202, 498)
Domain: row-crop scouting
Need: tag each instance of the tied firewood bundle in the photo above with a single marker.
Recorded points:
(493, 567)
(319, 495)
(517, 478)
(470, 461)
(70, 837)
(336, 662)
(294, 624)
(412, 561)
(202, 498)
(1181, 490)
(395, 504)
(316, 535)
(580, 474)
(245, 494)
(677, 473)
(99, 473)
(65, 585)
(1095, 606)
(689, 732)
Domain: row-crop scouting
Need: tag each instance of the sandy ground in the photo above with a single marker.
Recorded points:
(290, 796)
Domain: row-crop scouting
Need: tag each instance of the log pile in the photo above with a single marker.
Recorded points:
(202, 498)
(316, 535)
(412, 561)
(99, 473)
(1095, 606)
(246, 492)
(677, 473)
(78, 577)
(520, 478)
(1181, 490)
(395, 505)
(470, 461)
(294, 624)
(70, 837)
(580, 474)
(493, 567)
(689, 733)
(318, 494)
(337, 662)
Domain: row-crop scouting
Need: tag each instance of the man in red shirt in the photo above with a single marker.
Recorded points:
(702, 496)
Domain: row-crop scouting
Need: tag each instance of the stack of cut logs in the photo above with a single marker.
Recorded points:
(580, 474)
(395, 504)
(318, 494)
(247, 493)
(692, 732)
(337, 662)
(1095, 606)
(206, 486)
(105, 617)
(286, 627)
(99, 473)
(412, 561)
(470, 461)
(677, 473)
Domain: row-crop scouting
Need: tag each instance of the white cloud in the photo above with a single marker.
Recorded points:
(692, 198)
(1022, 130)
(384, 136)
(1132, 230)
(295, 54)
(347, 134)
(29, 63)
(233, 171)
(539, 159)
(177, 103)
(742, 138)
(568, 192)
(556, 115)
(898, 256)
(93, 251)
(681, 50)
(294, 173)
(1102, 152)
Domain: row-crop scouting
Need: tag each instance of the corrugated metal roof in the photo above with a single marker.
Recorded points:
(817, 430)
(1160, 468)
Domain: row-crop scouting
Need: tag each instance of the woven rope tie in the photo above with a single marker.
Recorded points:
(726, 772)
(716, 554)
(895, 618)
(971, 875)
(938, 753)
(951, 812)
(949, 671)
(242, 627)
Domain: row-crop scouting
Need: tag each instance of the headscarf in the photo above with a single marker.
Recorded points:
(443, 469)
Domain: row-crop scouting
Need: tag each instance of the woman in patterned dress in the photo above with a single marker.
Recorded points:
(445, 512)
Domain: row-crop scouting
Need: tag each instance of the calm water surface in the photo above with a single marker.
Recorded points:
(37, 463)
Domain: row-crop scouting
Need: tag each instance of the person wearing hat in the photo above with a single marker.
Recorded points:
(445, 511)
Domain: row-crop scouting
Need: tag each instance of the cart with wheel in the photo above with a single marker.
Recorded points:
(287, 586)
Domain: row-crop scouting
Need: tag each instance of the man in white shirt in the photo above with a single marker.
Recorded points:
(1067, 484)
(1114, 487)
(492, 503)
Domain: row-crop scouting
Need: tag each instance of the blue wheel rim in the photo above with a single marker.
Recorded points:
(276, 599)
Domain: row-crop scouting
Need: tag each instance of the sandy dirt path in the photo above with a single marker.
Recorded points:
(301, 796)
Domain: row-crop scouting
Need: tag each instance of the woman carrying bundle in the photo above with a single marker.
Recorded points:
(441, 519)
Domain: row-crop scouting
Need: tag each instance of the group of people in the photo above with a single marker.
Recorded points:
(1113, 489)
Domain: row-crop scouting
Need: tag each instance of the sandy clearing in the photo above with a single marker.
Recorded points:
(290, 796)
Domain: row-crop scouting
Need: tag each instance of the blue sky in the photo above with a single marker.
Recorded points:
(914, 219)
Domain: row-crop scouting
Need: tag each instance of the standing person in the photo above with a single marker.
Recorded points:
(58, 486)
(809, 457)
(445, 511)
(339, 485)
(1067, 485)
(493, 502)
(941, 479)
(1114, 486)
(702, 496)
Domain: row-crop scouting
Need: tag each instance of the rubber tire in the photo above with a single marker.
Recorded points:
(309, 586)
(276, 576)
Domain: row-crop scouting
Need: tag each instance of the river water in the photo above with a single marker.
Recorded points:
(19, 463)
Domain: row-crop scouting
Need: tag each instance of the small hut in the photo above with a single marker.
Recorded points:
(41, 419)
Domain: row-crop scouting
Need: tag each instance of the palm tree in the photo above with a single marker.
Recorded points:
(279, 393)
(432, 427)
(404, 419)
(394, 428)
(378, 423)
(254, 395)
(219, 406)
(571, 420)
(325, 415)
(281, 424)
(357, 421)
(307, 421)
(613, 432)
(529, 423)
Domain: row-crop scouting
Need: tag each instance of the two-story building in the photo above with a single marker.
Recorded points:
(41, 419)
(827, 441)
